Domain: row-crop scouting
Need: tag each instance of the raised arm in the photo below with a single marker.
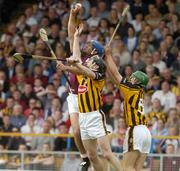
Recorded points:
(77, 68)
(72, 24)
(111, 67)
(85, 71)
(72, 69)
(76, 44)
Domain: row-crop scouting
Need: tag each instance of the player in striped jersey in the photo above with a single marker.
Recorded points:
(138, 138)
(91, 118)
(91, 48)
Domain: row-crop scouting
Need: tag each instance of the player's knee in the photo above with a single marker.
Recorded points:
(92, 156)
(107, 155)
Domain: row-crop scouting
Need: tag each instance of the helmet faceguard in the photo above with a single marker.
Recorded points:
(95, 63)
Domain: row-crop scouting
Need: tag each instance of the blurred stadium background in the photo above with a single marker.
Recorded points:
(33, 94)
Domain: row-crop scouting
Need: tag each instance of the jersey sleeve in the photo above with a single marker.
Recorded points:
(126, 86)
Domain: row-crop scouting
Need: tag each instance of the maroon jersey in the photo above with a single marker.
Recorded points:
(73, 88)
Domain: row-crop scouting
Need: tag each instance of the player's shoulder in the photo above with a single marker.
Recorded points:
(126, 84)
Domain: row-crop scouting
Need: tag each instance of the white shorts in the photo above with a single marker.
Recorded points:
(72, 100)
(92, 125)
(137, 138)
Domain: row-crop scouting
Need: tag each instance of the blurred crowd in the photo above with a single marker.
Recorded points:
(33, 94)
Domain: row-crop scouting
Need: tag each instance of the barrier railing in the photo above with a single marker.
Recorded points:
(9, 134)
(65, 161)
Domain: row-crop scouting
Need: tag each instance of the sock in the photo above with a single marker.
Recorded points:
(83, 155)
(86, 159)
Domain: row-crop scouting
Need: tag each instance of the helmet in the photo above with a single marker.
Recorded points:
(141, 77)
(98, 47)
(99, 61)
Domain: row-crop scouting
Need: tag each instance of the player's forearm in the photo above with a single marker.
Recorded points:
(85, 71)
(112, 69)
(76, 48)
(71, 29)
(73, 69)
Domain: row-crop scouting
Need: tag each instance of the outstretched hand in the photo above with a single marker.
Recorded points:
(60, 66)
(76, 8)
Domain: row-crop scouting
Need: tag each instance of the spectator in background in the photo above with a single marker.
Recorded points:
(154, 17)
(28, 93)
(55, 106)
(160, 130)
(154, 84)
(38, 113)
(158, 31)
(123, 30)
(104, 29)
(176, 88)
(173, 131)
(113, 17)
(93, 34)
(115, 113)
(138, 22)
(138, 6)
(147, 103)
(102, 9)
(173, 118)
(6, 127)
(30, 127)
(119, 49)
(176, 65)
(157, 62)
(166, 56)
(170, 162)
(156, 113)
(37, 142)
(9, 69)
(3, 157)
(38, 86)
(131, 41)
(127, 70)
(46, 96)
(167, 76)
(117, 143)
(7, 110)
(15, 141)
(136, 62)
(64, 144)
(166, 97)
(17, 118)
(32, 104)
(170, 44)
(71, 162)
(44, 161)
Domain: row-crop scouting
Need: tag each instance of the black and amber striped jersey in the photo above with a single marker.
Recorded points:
(133, 103)
(157, 114)
(89, 93)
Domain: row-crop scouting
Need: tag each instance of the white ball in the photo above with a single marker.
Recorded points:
(79, 5)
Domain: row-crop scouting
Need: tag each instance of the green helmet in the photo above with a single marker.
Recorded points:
(141, 77)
